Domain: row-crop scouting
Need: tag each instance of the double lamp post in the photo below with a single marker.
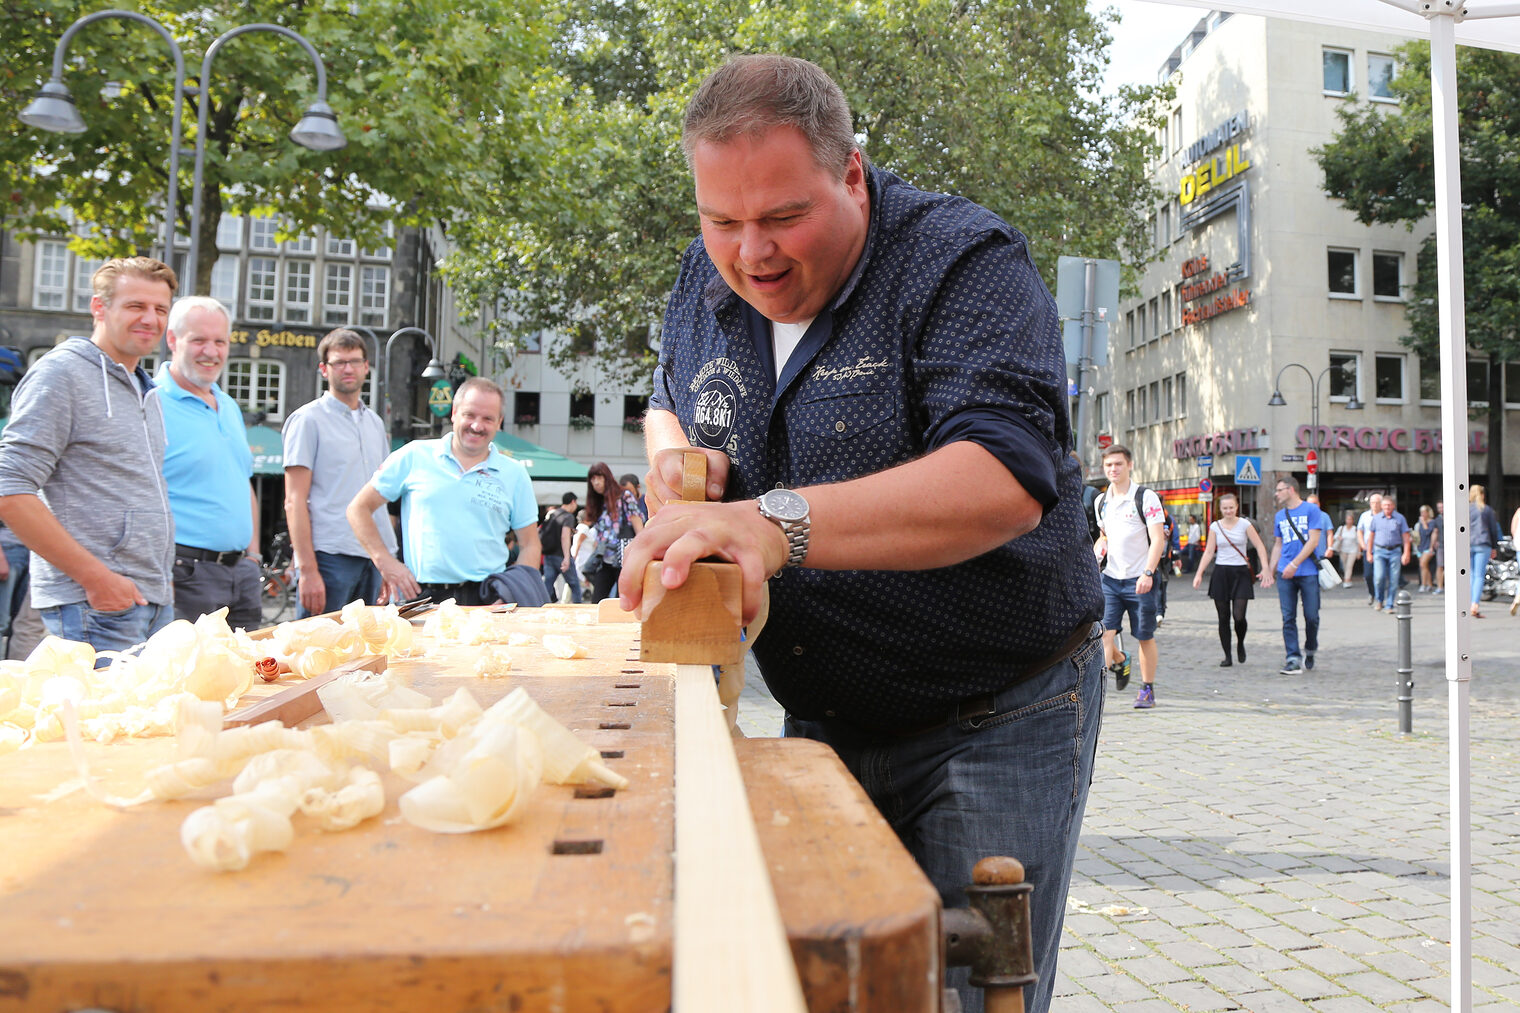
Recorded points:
(1277, 401)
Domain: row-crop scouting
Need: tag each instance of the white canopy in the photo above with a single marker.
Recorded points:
(1446, 23)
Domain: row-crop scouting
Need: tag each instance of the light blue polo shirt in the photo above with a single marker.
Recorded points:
(207, 465)
(454, 523)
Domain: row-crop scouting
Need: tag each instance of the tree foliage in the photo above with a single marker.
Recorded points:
(1381, 166)
(995, 101)
(428, 92)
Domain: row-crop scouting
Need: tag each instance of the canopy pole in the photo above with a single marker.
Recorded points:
(1454, 484)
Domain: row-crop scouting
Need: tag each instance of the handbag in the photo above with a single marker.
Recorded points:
(1329, 577)
(1243, 553)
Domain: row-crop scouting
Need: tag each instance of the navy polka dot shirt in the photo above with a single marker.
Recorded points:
(944, 332)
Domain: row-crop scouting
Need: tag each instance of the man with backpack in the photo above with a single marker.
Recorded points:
(1130, 518)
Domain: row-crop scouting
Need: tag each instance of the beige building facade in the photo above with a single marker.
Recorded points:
(1265, 284)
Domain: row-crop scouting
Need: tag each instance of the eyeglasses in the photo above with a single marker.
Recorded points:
(341, 363)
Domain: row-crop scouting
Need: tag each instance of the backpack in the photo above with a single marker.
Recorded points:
(1140, 491)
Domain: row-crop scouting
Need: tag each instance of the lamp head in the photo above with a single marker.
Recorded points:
(1353, 405)
(318, 129)
(434, 370)
(1276, 400)
(53, 109)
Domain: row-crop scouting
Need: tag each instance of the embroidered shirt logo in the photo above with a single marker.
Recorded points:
(864, 366)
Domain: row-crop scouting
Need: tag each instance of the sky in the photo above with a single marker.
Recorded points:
(1144, 36)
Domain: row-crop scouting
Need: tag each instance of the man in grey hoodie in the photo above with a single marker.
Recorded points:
(81, 468)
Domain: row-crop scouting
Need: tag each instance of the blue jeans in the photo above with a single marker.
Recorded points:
(1479, 570)
(553, 573)
(1289, 589)
(1387, 567)
(106, 631)
(346, 578)
(1120, 599)
(1013, 783)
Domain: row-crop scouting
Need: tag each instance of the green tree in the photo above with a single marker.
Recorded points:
(1381, 166)
(995, 101)
(434, 97)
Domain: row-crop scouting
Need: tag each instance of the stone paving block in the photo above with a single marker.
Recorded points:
(1403, 966)
(1119, 946)
(1274, 1002)
(1080, 963)
(1220, 937)
(1155, 970)
(1281, 937)
(1302, 983)
(1310, 922)
(1378, 988)
(1087, 926)
(1145, 1006)
(1155, 931)
(1232, 979)
(1352, 942)
(1276, 902)
(1344, 1004)
(1113, 989)
(1245, 918)
(1334, 907)
(1259, 958)
(1379, 927)
(1195, 995)
(1327, 960)
(1181, 915)
(1082, 1003)
(1492, 975)
(1305, 890)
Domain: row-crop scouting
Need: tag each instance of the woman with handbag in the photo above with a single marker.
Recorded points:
(1230, 584)
(1347, 547)
(616, 518)
(1425, 548)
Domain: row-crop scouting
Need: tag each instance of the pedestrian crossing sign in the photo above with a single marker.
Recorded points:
(1247, 470)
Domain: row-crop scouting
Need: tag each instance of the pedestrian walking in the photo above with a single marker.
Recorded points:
(1425, 537)
(1230, 585)
(1390, 553)
(1347, 546)
(1132, 543)
(1514, 541)
(1364, 533)
(1193, 550)
(1484, 544)
(1297, 576)
(616, 519)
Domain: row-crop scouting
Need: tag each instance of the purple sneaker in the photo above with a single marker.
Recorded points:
(1146, 698)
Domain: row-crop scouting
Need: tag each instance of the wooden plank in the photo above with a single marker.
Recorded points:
(731, 950)
(298, 702)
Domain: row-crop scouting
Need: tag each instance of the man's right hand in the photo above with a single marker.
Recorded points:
(396, 581)
(313, 590)
(113, 593)
(663, 481)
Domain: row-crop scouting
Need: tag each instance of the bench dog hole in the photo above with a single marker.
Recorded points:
(612, 754)
(617, 726)
(592, 847)
(626, 685)
(598, 792)
(621, 703)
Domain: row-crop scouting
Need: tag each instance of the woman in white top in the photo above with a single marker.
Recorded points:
(1346, 546)
(582, 544)
(1230, 585)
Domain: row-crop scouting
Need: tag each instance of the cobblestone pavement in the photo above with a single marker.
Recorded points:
(1272, 843)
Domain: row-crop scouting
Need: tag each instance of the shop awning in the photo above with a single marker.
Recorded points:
(268, 450)
(543, 465)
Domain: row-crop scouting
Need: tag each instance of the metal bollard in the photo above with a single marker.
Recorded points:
(1403, 607)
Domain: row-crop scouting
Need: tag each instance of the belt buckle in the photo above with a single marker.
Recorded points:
(975, 710)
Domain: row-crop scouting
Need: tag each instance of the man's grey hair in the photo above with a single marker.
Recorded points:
(750, 94)
(182, 308)
(480, 383)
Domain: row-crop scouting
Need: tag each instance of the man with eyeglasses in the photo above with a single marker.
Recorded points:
(332, 447)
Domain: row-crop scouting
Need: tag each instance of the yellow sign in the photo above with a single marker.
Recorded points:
(1205, 176)
(265, 337)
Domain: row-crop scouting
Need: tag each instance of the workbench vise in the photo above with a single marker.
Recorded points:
(992, 936)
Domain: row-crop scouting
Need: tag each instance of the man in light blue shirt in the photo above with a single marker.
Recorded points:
(1388, 532)
(208, 468)
(460, 497)
(1297, 536)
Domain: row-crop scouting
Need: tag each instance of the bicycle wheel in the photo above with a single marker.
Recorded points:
(279, 597)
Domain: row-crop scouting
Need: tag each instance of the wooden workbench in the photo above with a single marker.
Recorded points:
(569, 909)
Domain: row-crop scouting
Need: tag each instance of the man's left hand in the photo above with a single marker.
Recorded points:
(682, 533)
(1291, 570)
(1143, 584)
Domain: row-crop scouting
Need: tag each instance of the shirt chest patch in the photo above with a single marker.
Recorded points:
(720, 391)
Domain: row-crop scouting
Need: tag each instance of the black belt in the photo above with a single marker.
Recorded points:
(983, 705)
(464, 593)
(228, 558)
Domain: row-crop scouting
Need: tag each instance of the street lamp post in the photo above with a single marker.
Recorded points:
(433, 370)
(1277, 401)
(54, 109)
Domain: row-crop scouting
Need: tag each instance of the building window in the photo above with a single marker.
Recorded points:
(1347, 379)
(1389, 378)
(1182, 395)
(525, 411)
(1512, 385)
(1176, 130)
(301, 244)
(261, 234)
(1166, 310)
(382, 252)
(229, 232)
(1477, 383)
(1380, 77)
(339, 247)
(1155, 318)
(1337, 72)
(1129, 325)
(224, 282)
(257, 385)
(1140, 417)
(374, 295)
(263, 286)
(1430, 380)
(297, 292)
(1165, 236)
(1166, 397)
(1342, 264)
(84, 276)
(635, 405)
(338, 294)
(50, 286)
(582, 406)
(1386, 271)
(1129, 407)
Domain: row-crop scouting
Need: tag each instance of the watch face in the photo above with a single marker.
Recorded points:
(785, 505)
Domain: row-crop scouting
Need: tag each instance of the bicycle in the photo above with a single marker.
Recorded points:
(277, 578)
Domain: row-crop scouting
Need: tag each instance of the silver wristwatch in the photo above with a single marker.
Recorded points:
(790, 511)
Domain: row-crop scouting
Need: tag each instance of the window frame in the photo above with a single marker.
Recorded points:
(1356, 273)
(82, 290)
(1398, 259)
(1355, 357)
(330, 270)
(1377, 359)
(61, 290)
(1350, 57)
(1393, 63)
(253, 306)
(221, 286)
(263, 228)
(290, 306)
(374, 283)
(1181, 393)
(234, 385)
(1511, 391)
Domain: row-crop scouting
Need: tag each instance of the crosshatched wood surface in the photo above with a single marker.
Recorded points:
(100, 907)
